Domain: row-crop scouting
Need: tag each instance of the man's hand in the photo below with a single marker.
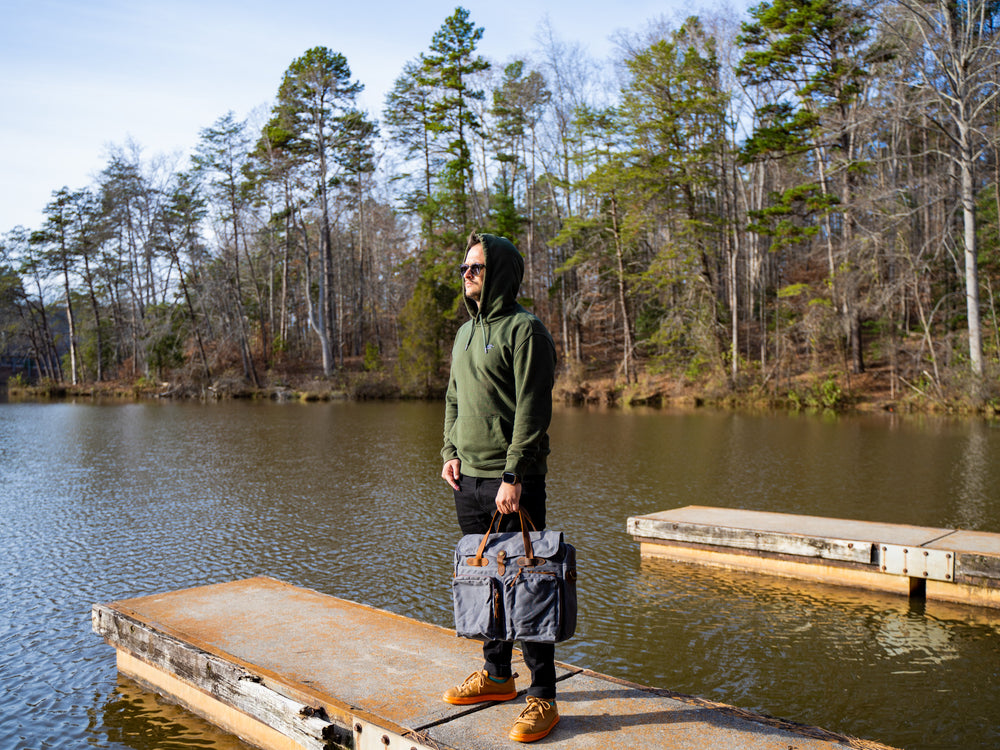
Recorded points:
(509, 498)
(452, 472)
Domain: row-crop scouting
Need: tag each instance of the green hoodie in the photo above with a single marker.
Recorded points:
(499, 401)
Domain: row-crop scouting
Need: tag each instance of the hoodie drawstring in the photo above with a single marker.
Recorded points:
(486, 334)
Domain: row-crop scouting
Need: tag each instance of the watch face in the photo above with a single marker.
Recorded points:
(509, 477)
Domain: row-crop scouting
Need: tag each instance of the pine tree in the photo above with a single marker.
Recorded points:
(443, 86)
(448, 70)
(55, 238)
(314, 113)
(817, 50)
(674, 114)
(407, 117)
(518, 103)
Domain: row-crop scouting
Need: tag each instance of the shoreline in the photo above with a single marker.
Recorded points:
(817, 396)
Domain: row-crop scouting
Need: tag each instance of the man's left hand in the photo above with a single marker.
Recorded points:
(509, 498)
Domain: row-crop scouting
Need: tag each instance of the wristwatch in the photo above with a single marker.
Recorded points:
(509, 477)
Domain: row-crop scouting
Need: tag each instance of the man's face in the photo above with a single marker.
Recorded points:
(474, 283)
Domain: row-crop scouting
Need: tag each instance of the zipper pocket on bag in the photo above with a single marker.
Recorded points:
(479, 607)
(534, 610)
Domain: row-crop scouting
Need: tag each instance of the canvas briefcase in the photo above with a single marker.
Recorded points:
(515, 585)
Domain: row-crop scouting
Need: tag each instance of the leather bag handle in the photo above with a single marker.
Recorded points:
(529, 554)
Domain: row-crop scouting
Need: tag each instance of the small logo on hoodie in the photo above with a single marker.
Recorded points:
(488, 347)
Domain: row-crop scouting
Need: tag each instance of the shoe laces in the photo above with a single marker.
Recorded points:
(536, 706)
(474, 680)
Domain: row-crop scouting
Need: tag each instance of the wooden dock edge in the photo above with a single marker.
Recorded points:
(974, 578)
(825, 571)
(821, 571)
(260, 708)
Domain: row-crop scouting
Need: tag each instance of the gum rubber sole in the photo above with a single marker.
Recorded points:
(497, 698)
(518, 737)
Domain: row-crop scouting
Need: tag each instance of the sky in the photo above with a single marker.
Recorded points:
(78, 77)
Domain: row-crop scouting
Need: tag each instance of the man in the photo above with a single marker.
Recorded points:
(497, 413)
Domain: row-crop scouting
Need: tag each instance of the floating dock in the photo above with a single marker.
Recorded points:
(943, 564)
(286, 668)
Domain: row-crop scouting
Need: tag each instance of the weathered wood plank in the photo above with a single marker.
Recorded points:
(311, 726)
(967, 560)
(847, 550)
(978, 566)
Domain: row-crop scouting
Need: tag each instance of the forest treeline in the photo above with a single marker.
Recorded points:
(810, 190)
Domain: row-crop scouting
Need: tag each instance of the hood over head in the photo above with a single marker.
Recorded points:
(504, 272)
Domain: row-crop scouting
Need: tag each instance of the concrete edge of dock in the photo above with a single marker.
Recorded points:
(792, 727)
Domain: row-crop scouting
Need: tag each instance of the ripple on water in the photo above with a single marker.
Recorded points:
(133, 717)
(99, 504)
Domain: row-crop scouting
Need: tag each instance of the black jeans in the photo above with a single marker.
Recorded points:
(475, 504)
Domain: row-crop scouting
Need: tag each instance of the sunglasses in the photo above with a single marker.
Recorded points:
(476, 268)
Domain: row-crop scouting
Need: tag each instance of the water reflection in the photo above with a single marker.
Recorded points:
(134, 718)
(924, 642)
(974, 479)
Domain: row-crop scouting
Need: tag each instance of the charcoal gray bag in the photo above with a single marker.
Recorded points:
(515, 585)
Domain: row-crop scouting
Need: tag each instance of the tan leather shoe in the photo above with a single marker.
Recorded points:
(478, 687)
(536, 720)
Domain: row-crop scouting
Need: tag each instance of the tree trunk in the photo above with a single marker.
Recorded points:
(627, 356)
(971, 262)
(96, 310)
(245, 350)
(71, 322)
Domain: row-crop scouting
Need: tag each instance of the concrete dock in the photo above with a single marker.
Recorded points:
(933, 563)
(284, 667)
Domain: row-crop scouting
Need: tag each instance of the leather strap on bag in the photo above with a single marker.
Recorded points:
(529, 559)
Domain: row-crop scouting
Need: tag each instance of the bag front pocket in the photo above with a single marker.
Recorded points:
(479, 607)
(535, 609)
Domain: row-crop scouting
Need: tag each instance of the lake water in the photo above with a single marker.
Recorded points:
(104, 502)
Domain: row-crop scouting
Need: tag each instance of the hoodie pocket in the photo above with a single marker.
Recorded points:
(479, 437)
